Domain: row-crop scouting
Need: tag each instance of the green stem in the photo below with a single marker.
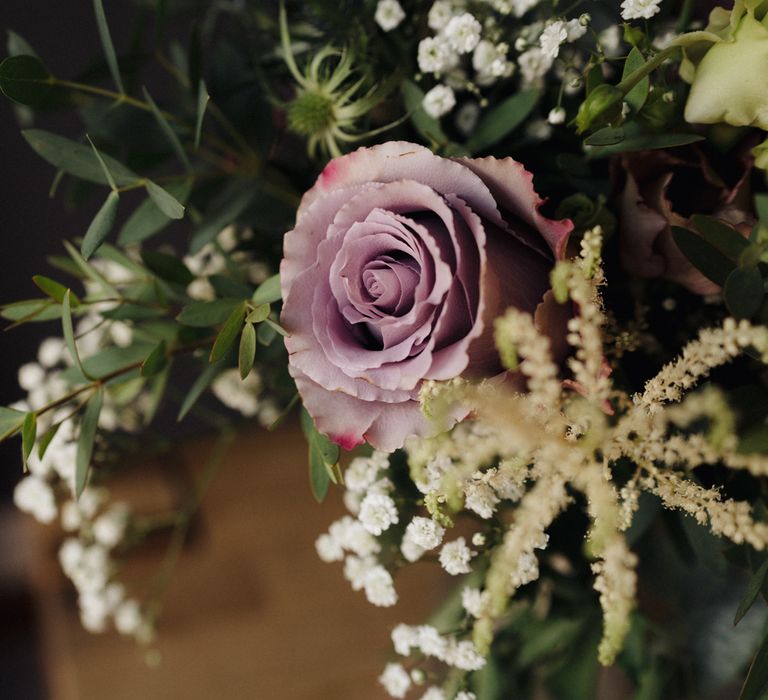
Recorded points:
(646, 69)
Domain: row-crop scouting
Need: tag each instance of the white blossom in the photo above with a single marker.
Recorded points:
(328, 548)
(433, 693)
(480, 498)
(465, 695)
(377, 513)
(490, 62)
(70, 555)
(439, 101)
(389, 14)
(404, 637)
(553, 35)
(435, 55)
(556, 115)
(426, 533)
(31, 375)
(455, 557)
(440, 14)
(33, 495)
(576, 28)
(355, 570)
(610, 40)
(109, 527)
(128, 617)
(639, 9)
(238, 394)
(410, 550)
(475, 601)
(71, 517)
(464, 655)
(463, 32)
(379, 587)
(467, 116)
(431, 642)
(360, 474)
(534, 64)
(395, 680)
(51, 352)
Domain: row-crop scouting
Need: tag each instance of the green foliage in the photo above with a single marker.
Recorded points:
(756, 685)
(323, 458)
(268, 291)
(202, 314)
(247, 351)
(28, 435)
(637, 96)
(54, 290)
(497, 123)
(85, 442)
(77, 159)
(167, 267)
(428, 127)
(107, 45)
(203, 381)
(25, 80)
(229, 332)
(156, 361)
(101, 226)
(756, 584)
(149, 219)
(164, 200)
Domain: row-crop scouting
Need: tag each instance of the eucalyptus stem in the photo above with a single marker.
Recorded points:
(646, 69)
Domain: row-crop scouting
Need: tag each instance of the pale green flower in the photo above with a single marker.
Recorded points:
(726, 65)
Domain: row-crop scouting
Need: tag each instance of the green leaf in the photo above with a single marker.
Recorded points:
(198, 387)
(11, 422)
(28, 435)
(228, 333)
(31, 310)
(132, 312)
(722, 236)
(546, 638)
(607, 136)
(755, 585)
(703, 255)
(222, 213)
(148, 219)
(276, 327)
(756, 685)
(25, 80)
(644, 142)
(164, 200)
(103, 165)
(76, 159)
(265, 334)
(202, 104)
(761, 206)
(156, 361)
(167, 267)
(69, 333)
(502, 120)
(744, 291)
(89, 271)
(247, 351)
(167, 129)
(259, 314)
(48, 435)
(202, 314)
(427, 126)
(17, 45)
(108, 46)
(54, 290)
(637, 96)
(268, 291)
(85, 442)
(323, 457)
(109, 360)
(100, 226)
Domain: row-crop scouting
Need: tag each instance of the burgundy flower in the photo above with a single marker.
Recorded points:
(398, 263)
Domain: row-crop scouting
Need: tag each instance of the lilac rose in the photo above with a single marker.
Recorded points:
(397, 265)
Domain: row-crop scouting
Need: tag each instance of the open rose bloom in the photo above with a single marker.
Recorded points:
(397, 266)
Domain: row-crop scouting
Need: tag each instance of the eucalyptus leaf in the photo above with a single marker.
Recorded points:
(265, 334)
(607, 136)
(502, 120)
(228, 333)
(89, 271)
(164, 200)
(167, 267)
(54, 289)
(100, 226)
(637, 96)
(17, 45)
(28, 435)
(756, 684)
(259, 314)
(323, 456)
(743, 291)
(722, 236)
(86, 440)
(111, 359)
(104, 168)
(69, 333)
(107, 45)
(77, 159)
(268, 291)
(645, 142)
(11, 422)
(25, 80)
(202, 314)
(31, 310)
(247, 351)
(276, 327)
(756, 584)
(168, 131)
(202, 104)
(156, 361)
(703, 255)
(222, 213)
(45, 440)
(148, 219)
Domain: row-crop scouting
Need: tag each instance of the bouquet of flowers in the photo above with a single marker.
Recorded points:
(509, 261)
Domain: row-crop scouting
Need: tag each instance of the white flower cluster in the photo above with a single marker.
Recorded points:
(353, 540)
(212, 260)
(389, 14)
(427, 640)
(245, 396)
(639, 9)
